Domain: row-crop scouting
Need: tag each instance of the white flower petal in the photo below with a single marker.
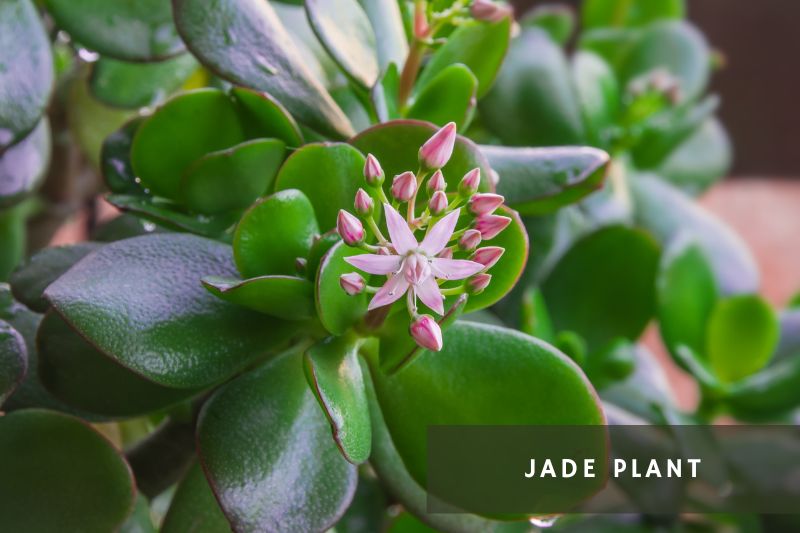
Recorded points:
(454, 268)
(391, 291)
(402, 237)
(439, 235)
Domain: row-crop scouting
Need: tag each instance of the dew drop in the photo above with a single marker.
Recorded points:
(543, 521)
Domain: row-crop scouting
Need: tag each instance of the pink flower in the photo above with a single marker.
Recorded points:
(476, 284)
(404, 186)
(470, 182)
(470, 240)
(352, 283)
(363, 203)
(485, 203)
(447, 253)
(436, 182)
(488, 256)
(436, 151)
(491, 225)
(427, 333)
(415, 266)
(373, 172)
(438, 203)
(488, 11)
(349, 227)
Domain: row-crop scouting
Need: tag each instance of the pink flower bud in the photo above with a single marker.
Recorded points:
(477, 283)
(349, 227)
(470, 182)
(488, 256)
(470, 240)
(373, 172)
(404, 186)
(436, 151)
(421, 27)
(485, 203)
(491, 225)
(447, 253)
(488, 11)
(352, 283)
(427, 333)
(363, 203)
(436, 182)
(438, 203)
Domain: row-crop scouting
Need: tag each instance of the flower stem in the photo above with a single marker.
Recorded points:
(369, 247)
(452, 291)
(410, 215)
(457, 234)
(377, 231)
(410, 70)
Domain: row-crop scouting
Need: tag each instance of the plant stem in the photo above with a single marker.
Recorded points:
(410, 70)
(377, 231)
(410, 215)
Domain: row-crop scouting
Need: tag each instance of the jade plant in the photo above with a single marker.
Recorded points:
(316, 260)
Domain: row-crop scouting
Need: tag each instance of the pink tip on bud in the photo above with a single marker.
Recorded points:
(491, 225)
(436, 151)
(470, 182)
(404, 186)
(427, 333)
(436, 182)
(488, 11)
(422, 29)
(438, 203)
(485, 203)
(470, 240)
(363, 203)
(350, 229)
(352, 283)
(373, 172)
(447, 253)
(477, 283)
(488, 256)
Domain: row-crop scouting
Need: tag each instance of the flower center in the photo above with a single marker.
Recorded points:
(416, 268)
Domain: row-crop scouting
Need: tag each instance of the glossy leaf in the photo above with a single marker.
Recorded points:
(194, 508)
(742, 334)
(141, 302)
(233, 178)
(344, 30)
(328, 174)
(538, 181)
(26, 76)
(387, 22)
(169, 215)
(615, 298)
(598, 95)
(139, 521)
(334, 374)
(44, 453)
(13, 360)
(263, 116)
(449, 97)
(115, 159)
(244, 41)
(287, 297)
(267, 451)
(768, 394)
(603, 13)
(23, 166)
(384, 95)
(336, 309)
(274, 233)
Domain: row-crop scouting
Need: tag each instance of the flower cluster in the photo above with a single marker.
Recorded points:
(423, 269)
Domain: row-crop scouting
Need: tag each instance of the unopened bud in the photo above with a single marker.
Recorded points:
(491, 225)
(352, 283)
(485, 203)
(363, 203)
(437, 150)
(373, 172)
(438, 203)
(470, 182)
(436, 182)
(488, 256)
(404, 186)
(421, 27)
(470, 240)
(489, 11)
(447, 253)
(477, 283)
(427, 333)
(350, 229)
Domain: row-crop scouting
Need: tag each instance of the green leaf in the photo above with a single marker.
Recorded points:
(385, 93)
(132, 85)
(26, 76)
(538, 181)
(478, 45)
(45, 453)
(345, 31)
(169, 215)
(612, 44)
(767, 394)
(85, 378)
(13, 360)
(387, 23)
(274, 233)
(615, 297)
(115, 159)
(244, 42)
(12, 238)
(233, 178)
(496, 367)
(449, 97)
(194, 508)
(141, 302)
(131, 31)
(556, 19)
(742, 334)
(329, 174)
(598, 95)
(286, 297)
(263, 116)
(603, 13)
(336, 309)
(23, 166)
(139, 521)
(267, 451)
(334, 374)
(533, 102)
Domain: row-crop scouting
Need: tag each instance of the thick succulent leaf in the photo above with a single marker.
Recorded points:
(598, 95)
(232, 179)
(133, 85)
(26, 78)
(13, 360)
(558, 20)
(274, 233)
(263, 116)
(141, 302)
(743, 332)
(169, 215)
(478, 45)
(245, 42)
(132, 31)
(115, 159)
(616, 297)
(335, 308)
(768, 394)
(12, 238)
(194, 508)
(666, 212)
(385, 93)
(345, 31)
(496, 367)
(334, 374)
(612, 44)
(139, 520)
(538, 181)
(267, 450)
(287, 297)
(449, 97)
(45, 453)
(387, 23)
(83, 377)
(328, 174)
(533, 102)
(23, 166)
(615, 13)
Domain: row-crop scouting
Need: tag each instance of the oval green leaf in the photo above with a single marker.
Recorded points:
(387, 22)
(286, 297)
(23, 166)
(598, 95)
(194, 508)
(13, 360)
(336, 309)
(115, 159)
(616, 13)
(766, 395)
(449, 97)
(263, 116)
(169, 215)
